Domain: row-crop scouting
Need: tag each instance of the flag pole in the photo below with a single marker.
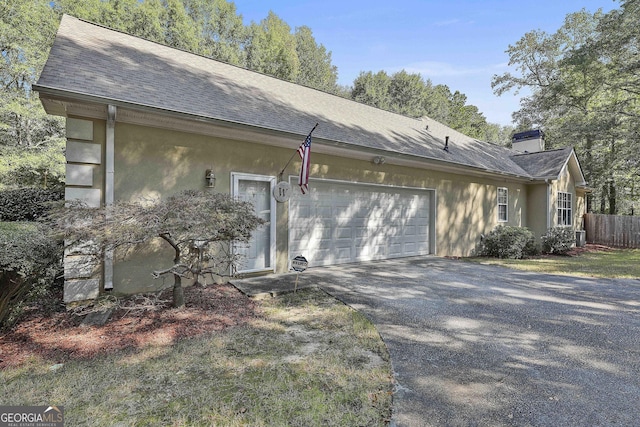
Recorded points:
(293, 155)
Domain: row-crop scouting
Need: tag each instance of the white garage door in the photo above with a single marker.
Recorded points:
(337, 223)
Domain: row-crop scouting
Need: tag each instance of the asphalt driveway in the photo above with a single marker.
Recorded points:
(476, 345)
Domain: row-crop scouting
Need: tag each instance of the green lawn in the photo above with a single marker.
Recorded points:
(614, 263)
(308, 361)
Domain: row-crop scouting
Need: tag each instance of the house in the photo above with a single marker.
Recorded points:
(143, 119)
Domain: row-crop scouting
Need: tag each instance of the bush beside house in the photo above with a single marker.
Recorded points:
(30, 259)
(27, 204)
(558, 240)
(30, 262)
(519, 242)
(508, 242)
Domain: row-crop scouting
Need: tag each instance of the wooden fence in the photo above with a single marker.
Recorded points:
(613, 230)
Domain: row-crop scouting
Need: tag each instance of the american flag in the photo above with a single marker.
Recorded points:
(305, 153)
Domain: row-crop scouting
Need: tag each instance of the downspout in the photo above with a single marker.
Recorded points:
(109, 187)
(548, 203)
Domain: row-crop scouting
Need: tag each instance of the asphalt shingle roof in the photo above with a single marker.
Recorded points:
(107, 65)
(545, 164)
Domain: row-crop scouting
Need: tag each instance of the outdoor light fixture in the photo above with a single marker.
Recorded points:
(210, 177)
(379, 160)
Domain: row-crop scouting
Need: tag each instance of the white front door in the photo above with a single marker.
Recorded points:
(259, 254)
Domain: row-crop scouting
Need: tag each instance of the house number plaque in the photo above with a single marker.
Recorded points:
(282, 192)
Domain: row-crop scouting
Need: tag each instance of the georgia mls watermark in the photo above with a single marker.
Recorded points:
(31, 416)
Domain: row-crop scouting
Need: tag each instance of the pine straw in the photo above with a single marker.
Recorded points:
(135, 323)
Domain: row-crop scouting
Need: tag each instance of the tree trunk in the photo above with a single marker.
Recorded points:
(588, 170)
(613, 210)
(612, 184)
(603, 198)
(178, 293)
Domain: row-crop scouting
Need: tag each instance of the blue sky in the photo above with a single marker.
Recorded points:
(460, 43)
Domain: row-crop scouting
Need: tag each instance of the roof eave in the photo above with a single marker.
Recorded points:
(49, 94)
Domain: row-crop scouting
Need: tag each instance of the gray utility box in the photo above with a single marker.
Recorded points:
(580, 238)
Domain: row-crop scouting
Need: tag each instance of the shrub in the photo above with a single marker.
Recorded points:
(558, 240)
(508, 242)
(29, 264)
(26, 204)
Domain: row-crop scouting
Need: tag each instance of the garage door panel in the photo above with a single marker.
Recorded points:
(394, 232)
(395, 250)
(370, 253)
(324, 212)
(410, 248)
(366, 223)
(343, 255)
(304, 211)
(422, 230)
(344, 233)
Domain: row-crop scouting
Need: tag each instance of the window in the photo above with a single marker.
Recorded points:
(503, 199)
(565, 210)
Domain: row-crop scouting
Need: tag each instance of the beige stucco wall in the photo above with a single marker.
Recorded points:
(543, 197)
(537, 202)
(151, 162)
(565, 184)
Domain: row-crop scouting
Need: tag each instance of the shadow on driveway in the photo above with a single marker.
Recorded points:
(485, 345)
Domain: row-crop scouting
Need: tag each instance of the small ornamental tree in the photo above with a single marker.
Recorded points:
(200, 226)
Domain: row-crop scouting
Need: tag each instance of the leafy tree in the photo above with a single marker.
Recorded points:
(316, 69)
(437, 103)
(582, 94)
(26, 34)
(372, 89)
(200, 226)
(402, 92)
(147, 20)
(42, 167)
(407, 92)
(271, 49)
(179, 31)
(465, 118)
(498, 134)
(410, 95)
(617, 41)
(29, 138)
(119, 14)
(221, 31)
(91, 10)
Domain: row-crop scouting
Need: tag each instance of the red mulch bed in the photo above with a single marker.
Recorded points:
(59, 336)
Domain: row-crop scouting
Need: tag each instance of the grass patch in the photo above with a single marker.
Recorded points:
(612, 263)
(309, 360)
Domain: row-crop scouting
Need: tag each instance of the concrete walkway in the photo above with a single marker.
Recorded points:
(476, 345)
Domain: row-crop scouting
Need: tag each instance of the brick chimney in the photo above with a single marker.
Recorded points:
(531, 141)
